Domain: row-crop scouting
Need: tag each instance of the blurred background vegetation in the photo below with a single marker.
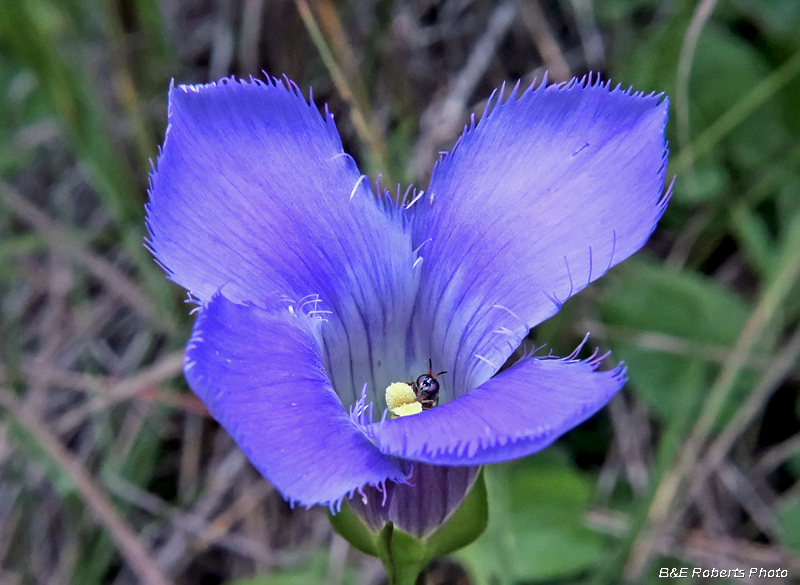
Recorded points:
(112, 472)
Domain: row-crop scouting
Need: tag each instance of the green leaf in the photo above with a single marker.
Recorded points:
(708, 180)
(752, 234)
(314, 570)
(682, 304)
(536, 530)
(788, 517)
(776, 19)
(660, 321)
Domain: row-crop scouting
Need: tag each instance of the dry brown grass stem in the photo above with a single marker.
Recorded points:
(672, 487)
(443, 119)
(535, 20)
(96, 498)
(145, 384)
(125, 288)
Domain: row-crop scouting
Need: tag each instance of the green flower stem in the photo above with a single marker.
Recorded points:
(405, 556)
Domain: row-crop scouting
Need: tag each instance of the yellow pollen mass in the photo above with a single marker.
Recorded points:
(406, 409)
(401, 400)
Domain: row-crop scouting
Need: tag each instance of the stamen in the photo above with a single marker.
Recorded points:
(613, 249)
(401, 400)
(319, 312)
(405, 195)
(341, 154)
(574, 354)
(512, 313)
(415, 199)
(589, 281)
(483, 359)
(418, 248)
(353, 192)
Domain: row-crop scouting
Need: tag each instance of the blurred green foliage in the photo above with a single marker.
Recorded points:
(536, 528)
(696, 312)
(674, 314)
(314, 570)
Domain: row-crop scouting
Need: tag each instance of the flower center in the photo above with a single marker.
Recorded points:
(401, 400)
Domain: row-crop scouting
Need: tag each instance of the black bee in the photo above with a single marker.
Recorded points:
(426, 388)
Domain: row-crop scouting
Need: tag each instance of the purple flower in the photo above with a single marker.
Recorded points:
(312, 290)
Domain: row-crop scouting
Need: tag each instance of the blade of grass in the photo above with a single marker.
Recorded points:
(97, 499)
(746, 413)
(677, 427)
(158, 52)
(444, 119)
(125, 88)
(72, 98)
(121, 285)
(350, 88)
(699, 20)
(671, 486)
(145, 383)
(757, 97)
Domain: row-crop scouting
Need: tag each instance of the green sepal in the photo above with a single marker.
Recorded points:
(353, 530)
(405, 556)
(466, 525)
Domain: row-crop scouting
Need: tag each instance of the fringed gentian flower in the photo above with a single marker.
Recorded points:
(315, 295)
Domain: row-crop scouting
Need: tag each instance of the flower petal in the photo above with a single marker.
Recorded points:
(518, 412)
(255, 197)
(542, 197)
(262, 377)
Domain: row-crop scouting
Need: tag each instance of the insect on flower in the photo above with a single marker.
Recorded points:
(426, 388)
(317, 294)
